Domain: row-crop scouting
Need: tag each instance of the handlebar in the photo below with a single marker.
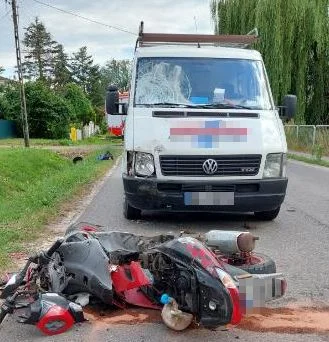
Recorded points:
(54, 247)
(40, 258)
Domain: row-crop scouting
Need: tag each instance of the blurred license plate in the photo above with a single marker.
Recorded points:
(209, 198)
(257, 289)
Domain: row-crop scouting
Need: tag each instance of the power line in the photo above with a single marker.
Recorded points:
(85, 18)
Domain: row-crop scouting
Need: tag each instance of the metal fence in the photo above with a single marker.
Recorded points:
(308, 138)
(7, 129)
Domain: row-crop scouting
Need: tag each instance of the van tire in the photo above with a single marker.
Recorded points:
(267, 215)
(129, 212)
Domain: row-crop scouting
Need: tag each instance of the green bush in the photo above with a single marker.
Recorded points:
(82, 109)
(49, 114)
(317, 151)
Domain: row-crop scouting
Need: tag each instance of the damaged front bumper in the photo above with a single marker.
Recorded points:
(168, 195)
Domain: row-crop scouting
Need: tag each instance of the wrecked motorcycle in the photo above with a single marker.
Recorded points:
(212, 280)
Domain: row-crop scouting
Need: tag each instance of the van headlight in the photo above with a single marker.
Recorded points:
(275, 165)
(144, 164)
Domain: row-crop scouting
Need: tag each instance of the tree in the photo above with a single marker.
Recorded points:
(88, 76)
(40, 51)
(81, 107)
(2, 69)
(49, 114)
(96, 91)
(81, 67)
(294, 41)
(61, 72)
(117, 72)
(7, 99)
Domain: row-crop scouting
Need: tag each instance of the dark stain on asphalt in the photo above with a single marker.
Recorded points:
(290, 320)
(294, 320)
(128, 316)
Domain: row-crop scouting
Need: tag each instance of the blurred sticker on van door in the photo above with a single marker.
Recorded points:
(208, 134)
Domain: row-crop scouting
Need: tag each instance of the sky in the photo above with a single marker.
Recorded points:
(103, 43)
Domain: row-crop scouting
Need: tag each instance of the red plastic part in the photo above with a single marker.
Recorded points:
(56, 321)
(117, 131)
(236, 313)
(137, 297)
(210, 261)
(88, 229)
(206, 258)
(128, 277)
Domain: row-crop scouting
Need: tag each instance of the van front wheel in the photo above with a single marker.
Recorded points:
(129, 212)
(267, 215)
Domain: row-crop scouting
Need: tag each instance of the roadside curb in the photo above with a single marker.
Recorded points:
(58, 225)
(80, 204)
(308, 160)
(306, 155)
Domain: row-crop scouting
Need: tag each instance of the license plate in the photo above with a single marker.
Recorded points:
(257, 289)
(209, 198)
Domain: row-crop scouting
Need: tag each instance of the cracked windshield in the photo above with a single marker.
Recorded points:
(201, 81)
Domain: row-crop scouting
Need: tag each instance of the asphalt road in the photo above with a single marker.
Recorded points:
(297, 240)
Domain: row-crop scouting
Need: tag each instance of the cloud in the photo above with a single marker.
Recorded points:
(103, 43)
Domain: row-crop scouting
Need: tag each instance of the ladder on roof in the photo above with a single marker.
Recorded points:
(237, 41)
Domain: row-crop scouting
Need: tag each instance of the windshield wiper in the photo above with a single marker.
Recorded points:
(187, 105)
(222, 106)
(167, 104)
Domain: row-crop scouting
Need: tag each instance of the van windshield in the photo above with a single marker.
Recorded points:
(201, 82)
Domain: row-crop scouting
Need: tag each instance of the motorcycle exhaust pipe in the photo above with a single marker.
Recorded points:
(231, 242)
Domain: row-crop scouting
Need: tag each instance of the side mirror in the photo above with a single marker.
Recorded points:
(113, 105)
(289, 106)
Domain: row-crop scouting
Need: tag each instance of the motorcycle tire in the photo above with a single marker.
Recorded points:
(262, 264)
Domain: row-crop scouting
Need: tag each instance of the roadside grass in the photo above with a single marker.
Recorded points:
(305, 142)
(308, 160)
(33, 185)
(94, 140)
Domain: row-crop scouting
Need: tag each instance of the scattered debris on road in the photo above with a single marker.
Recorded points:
(212, 282)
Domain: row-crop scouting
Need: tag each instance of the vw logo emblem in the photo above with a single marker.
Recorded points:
(210, 166)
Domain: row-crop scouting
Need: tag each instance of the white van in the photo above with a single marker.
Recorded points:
(202, 130)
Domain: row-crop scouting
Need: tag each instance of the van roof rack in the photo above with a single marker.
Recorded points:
(237, 41)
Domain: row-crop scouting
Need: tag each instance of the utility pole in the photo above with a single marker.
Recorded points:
(20, 76)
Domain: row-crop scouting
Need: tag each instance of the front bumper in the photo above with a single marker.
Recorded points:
(249, 195)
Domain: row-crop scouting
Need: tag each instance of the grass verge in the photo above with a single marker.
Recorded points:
(33, 185)
(95, 140)
(308, 160)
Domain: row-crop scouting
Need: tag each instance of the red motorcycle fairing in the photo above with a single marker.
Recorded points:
(209, 261)
(127, 277)
(56, 321)
(212, 287)
(138, 298)
(53, 314)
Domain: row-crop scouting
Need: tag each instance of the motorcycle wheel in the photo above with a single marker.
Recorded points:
(260, 264)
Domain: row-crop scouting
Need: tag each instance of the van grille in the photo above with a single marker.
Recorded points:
(236, 165)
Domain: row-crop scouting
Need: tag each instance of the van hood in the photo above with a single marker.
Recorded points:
(237, 133)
